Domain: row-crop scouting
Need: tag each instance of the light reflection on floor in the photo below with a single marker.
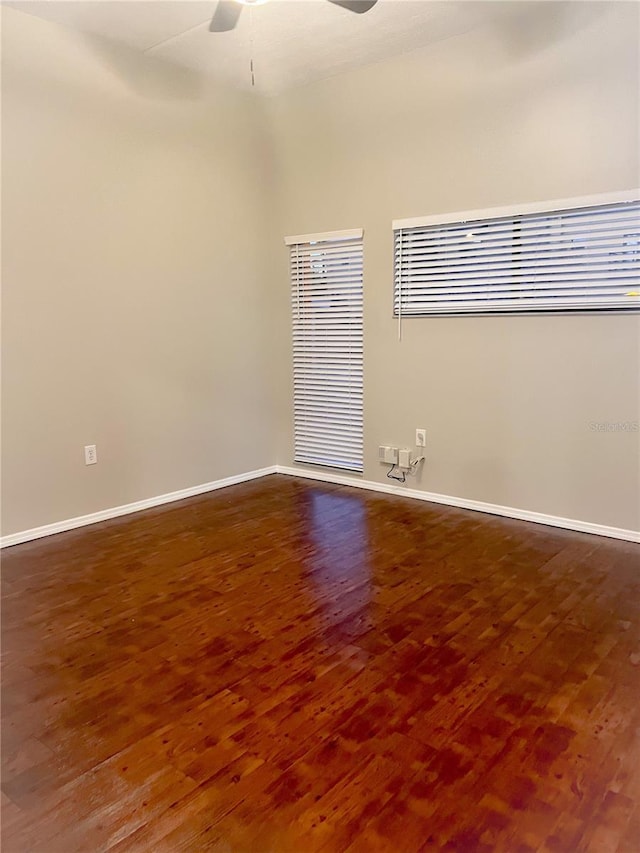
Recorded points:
(338, 564)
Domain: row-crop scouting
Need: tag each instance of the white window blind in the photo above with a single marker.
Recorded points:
(576, 257)
(327, 307)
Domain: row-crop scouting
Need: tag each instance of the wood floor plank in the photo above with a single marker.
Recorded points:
(287, 666)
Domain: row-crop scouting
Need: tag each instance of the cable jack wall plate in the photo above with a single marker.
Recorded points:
(388, 454)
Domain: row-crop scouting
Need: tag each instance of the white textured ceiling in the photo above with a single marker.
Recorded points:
(292, 42)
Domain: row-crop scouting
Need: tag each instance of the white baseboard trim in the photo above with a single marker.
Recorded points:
(127, 509)
(465, 503)
(325, 477)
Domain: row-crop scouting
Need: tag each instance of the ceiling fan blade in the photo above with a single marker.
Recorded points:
(358, 6)
(225, 17)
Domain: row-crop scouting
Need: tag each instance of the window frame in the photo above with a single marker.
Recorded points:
(335, 358)
(505, 212)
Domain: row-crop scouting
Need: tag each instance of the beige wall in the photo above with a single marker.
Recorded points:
(145, 292)
(485, 119)
(135, 291)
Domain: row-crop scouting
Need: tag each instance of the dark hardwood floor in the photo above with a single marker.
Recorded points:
(285, 666)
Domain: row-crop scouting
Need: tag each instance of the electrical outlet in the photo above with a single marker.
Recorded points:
(421, 438)
(90, 454)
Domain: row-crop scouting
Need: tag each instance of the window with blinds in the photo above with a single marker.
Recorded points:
(327, 307)
(581, 255)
